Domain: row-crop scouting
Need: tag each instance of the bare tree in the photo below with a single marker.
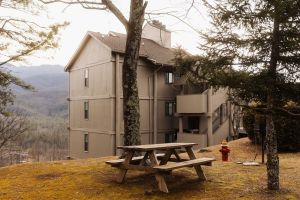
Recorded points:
(20, 36)
(11, 128)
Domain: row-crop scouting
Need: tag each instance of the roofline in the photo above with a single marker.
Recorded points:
(87, 36)
(149, 59)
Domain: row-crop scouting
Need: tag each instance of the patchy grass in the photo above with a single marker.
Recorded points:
(93, 179)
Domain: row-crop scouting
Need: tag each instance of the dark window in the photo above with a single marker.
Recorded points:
(169, 108)
(86, 110)
(193, 122)
(169, 77)
(86, 142)
(170, 137)
(86, 77)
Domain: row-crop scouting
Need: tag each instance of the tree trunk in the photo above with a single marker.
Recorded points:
(271, 136)
(130, 90)
(272, 155)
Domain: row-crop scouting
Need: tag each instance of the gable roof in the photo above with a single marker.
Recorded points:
(149, 49)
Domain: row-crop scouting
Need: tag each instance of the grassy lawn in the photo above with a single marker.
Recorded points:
(93, 179)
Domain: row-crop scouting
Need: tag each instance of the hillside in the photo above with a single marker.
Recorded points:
(47, 113)
(51, 90)
(93, 179)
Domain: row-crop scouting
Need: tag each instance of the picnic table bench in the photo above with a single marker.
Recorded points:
(159, 164)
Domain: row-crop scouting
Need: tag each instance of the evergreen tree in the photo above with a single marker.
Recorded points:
(253, 48)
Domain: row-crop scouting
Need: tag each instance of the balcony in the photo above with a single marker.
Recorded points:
(191, 104)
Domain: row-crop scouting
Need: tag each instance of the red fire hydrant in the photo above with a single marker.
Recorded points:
(224, 150)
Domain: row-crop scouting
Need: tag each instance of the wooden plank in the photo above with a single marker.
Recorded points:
(163, 146)
(161, 182)
(166, 158)
(152, 157)
(197, 168)
(176, 160)
(190, 152)
(194, 162)
(158, 176)
(123, 172)
(176, 155)
(144, 160)
(137, 167)
(134, 160)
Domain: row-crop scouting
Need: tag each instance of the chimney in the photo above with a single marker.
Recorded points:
(157, 32)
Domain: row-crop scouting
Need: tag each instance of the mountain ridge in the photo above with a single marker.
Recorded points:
(49, 97)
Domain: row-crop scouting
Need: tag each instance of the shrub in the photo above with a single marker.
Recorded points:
(287, 128)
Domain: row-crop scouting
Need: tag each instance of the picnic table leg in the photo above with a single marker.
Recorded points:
(144, 160)
(159, 177)
(198, 168)
(123, 172)
(166, 157)
(176, 155)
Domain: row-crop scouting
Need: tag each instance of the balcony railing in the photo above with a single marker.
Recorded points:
(191, 104)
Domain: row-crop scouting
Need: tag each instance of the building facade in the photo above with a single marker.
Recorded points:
(166, 108)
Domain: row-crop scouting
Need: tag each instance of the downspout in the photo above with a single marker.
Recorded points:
(229, 120)
(149, 94)
(155, 107)
(69, 127)
(209, 118)
(155, 104)
(117, 104)
(180, 119)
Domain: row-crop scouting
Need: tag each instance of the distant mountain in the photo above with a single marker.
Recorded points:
(51, 90)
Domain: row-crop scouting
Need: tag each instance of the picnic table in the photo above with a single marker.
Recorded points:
(159, 163)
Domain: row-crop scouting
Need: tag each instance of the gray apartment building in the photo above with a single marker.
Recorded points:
(170, 110)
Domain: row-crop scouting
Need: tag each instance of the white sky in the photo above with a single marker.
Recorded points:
(83, 20)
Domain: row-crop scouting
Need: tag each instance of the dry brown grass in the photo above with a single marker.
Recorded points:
(93, 179)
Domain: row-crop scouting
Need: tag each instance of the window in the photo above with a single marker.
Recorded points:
(193, 123)
(169, 108)
(170, 137)
(169, 77)
(86, 110)
(86, 77)
(86, 142)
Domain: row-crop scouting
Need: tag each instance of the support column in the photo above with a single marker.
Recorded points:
(180, 126)
(155, 107)
(118, 105)
(180, 119)
(209, 118)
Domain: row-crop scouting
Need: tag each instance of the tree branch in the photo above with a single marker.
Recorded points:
(112, 8)
(287, 112)
(104, 4)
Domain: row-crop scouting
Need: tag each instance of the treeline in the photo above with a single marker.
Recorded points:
(45, 140)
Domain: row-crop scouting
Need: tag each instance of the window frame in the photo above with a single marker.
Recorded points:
(86, 109)
(86, 142)
(169, 79)
(86, 77)
(167, 108)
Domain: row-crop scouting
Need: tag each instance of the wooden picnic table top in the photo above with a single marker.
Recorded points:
(162, 146)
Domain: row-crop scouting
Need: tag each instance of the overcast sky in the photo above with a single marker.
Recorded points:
(83, 20)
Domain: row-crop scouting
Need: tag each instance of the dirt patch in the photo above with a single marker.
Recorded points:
(48, 176)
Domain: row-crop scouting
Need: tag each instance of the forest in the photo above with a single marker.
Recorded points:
(46, 115)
